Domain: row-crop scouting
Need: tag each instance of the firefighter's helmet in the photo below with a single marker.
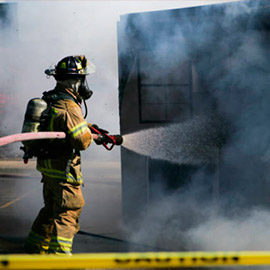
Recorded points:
(77, 65)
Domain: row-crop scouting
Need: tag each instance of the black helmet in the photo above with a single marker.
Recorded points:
(71, 66)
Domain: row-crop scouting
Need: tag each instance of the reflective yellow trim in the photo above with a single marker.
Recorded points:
(78, 126)
(83, 130)
(74, 181)
(37, 242)
(60, 244)
(53, 114)
(79, 129)
(79, 66)
(38, 237)
(63, 65)
(52, 173)
(59, 238)
(59, 248)
(54, 111)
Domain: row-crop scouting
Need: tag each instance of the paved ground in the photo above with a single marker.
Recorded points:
(21, 199)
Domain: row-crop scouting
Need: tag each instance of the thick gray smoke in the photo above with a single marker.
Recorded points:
(34, 42)
(231, 55)
(40, 34)
(39, 42)
(189, 220)
(193, 142)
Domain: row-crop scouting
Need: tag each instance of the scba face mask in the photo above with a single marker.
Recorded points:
(79, 85)
(84, 91)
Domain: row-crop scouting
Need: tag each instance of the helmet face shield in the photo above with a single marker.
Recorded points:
(90, 68)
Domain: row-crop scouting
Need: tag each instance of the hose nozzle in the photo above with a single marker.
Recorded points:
(118, 139)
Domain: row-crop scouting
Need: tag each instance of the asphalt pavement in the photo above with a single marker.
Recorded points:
(101, 219)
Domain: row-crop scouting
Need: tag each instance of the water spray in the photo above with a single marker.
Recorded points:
(195, 142)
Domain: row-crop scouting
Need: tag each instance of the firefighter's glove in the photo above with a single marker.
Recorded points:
(103, 131)
(101, 139)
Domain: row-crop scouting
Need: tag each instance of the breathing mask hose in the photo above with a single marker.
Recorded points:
(86, 109)
(85, 92)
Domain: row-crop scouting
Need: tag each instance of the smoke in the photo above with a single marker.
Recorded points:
(35, 42)
(230, 52)
(248, 232)
(187, 220)
(193, 142)
(40, 34)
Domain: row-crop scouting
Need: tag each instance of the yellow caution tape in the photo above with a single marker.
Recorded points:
(135, 260)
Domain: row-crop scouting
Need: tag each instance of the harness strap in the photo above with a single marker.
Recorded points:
(50, 97)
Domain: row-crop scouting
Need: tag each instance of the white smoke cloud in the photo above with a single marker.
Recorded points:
(72, 27)
(191, 219)
(243, 232)
(50, 30)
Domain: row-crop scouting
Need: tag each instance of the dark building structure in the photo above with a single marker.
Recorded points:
(8, 23)
(8, 37)
(5, 14)
(179, 64)
(8, 34)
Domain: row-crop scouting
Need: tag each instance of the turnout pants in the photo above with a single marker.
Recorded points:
(58, 221)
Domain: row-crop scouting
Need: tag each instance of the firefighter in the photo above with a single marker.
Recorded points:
(59, 161)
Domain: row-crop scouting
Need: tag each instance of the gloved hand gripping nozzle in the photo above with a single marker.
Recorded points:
(108, 141)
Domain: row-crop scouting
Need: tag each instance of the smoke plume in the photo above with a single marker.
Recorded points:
(34, 42)
(188, 219)
(230, 54)
(30, 42)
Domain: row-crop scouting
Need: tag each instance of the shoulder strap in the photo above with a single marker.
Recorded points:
(53, 96)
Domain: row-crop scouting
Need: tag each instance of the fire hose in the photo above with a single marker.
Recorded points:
(29, 136)
(97, 135)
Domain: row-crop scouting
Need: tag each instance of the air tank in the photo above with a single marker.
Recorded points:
(34, 110)
(32, 121)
